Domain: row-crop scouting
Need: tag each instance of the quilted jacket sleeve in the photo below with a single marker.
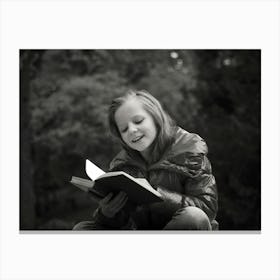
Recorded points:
(200, 185)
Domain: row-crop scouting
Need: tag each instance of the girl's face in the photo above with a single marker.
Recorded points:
(136, 125)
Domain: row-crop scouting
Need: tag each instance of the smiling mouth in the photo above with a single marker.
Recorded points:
(137, 139)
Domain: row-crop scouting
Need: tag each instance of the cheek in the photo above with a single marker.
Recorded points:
(153, 129)
(124, 138)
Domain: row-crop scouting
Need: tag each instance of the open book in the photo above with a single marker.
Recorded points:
(139, 190)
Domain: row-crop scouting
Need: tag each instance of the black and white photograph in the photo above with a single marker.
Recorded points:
(139, 139)
(187, 122)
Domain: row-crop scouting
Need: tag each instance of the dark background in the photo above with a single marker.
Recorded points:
(64, 96)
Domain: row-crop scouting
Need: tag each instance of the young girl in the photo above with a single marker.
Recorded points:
(172, 160)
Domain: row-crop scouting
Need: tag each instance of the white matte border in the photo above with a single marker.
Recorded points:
(146, 24)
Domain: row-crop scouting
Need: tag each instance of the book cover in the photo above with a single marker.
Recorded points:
(139, 190)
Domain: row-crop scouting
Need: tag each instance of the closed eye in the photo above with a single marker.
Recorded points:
(124, 130)
(138, 121)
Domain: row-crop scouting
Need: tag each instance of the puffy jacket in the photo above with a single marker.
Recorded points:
(183, 176)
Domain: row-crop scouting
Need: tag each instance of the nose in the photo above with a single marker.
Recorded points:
(132, 128)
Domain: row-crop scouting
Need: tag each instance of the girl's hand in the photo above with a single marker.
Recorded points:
(110, 205)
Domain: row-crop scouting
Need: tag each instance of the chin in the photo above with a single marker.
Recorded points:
(144, 149)
(139, 149)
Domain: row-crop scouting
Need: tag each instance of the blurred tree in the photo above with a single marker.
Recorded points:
(29, 64)
(229, 91)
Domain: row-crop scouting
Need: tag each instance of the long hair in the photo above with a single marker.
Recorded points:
(164, 124)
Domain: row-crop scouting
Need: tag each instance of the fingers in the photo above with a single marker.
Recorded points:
(118, 203)
(118, 200)
(110, 206)
(106, 199)
(95, 197)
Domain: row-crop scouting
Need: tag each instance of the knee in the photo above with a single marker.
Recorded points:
(85, 225)
(196, 218)
(189, 218)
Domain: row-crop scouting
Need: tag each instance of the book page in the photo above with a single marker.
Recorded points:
(144, 182)
(93, 171)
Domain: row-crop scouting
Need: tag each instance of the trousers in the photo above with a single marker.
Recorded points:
(187, 218)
